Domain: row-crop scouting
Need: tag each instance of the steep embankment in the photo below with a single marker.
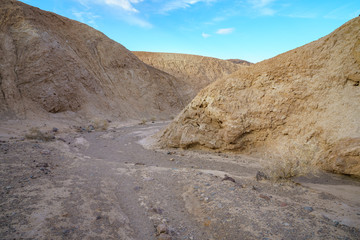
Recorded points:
(307, 99)
(195, 71)
(50, 64)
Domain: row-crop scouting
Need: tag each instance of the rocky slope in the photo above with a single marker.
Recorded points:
(195, 71)
(240, 61)
(50, 64)
(303, 103)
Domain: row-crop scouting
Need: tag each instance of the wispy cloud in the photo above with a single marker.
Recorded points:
(176, 4)
(260, 3)
(122, 9)
(225, 30)
(205, 35)
(86, 17)
(126, 5)
(263, 7)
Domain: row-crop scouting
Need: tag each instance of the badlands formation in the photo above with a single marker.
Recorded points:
(61, 179)
(196, 71)
(50, 64)
(302, 104)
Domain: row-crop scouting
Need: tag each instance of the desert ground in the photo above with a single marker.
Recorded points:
(106, 184)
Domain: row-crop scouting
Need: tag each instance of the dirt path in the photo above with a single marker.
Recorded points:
(105, 185)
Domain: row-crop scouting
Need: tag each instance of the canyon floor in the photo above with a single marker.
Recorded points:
(106, 185)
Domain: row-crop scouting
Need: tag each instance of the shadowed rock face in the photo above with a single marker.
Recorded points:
(196, 72)
(50, 64)
(309, 96)
(240, 61)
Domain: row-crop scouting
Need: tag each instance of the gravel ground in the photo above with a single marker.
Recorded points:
(105, 185)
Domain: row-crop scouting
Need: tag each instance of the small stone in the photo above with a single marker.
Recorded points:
(42, 165)
(309, 209)
(261, 176)
(161, 228)
(8, 187)
(283, 204)
(207, 184)
(98, 217)
(55, 129)
(137, 188)
(227, 178)
(158, 210)
(267, 198)
(336, 223)
(172, 159)
(164, 236)
(232, 189)
(286, 224)
(61, 139)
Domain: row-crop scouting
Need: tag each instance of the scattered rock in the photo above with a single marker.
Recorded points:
(267, 198)
(141, 164)
(161, 228)
(45, 152)
(164, 236)
(43, 165)
(98, 217)
(283, 204)
(55, 129)
(158, 210)
(172, 159)
(261, 176)
(308, 209)
(227, 178)
(61, 139)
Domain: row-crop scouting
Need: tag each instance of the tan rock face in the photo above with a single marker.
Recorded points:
(50, 64)
(307, 96)
(196, 72)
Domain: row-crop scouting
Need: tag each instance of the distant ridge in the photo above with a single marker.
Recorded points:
(239, 61)
(195, 71)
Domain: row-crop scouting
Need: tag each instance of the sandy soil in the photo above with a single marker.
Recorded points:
(106, 185)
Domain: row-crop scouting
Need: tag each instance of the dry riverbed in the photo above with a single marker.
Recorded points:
(106, 185)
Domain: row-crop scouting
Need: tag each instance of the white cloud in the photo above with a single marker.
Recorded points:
(263, 7)
(86, 17)
(260, 3)
(124, 4)
(225, 30)
(176, 4)
(205, 35)
(124, 10)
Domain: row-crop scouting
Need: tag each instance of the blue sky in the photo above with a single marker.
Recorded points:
(252, 30)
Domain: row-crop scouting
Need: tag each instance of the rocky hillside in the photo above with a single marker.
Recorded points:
(303, 103)
(50, 64)
(196, 71)
(240, 61)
